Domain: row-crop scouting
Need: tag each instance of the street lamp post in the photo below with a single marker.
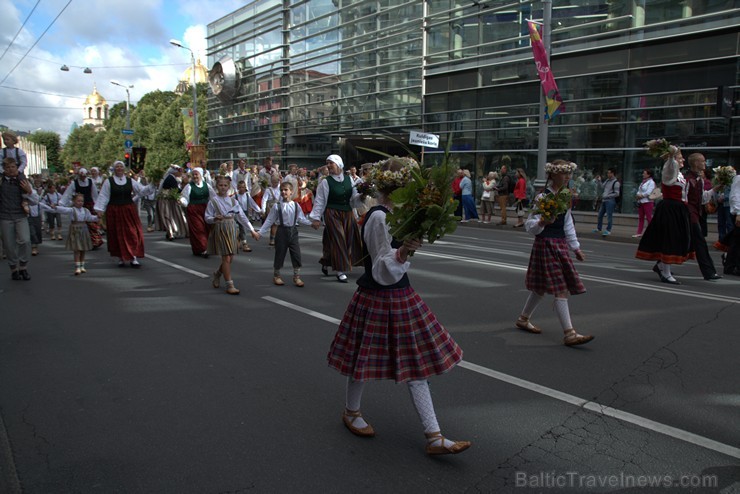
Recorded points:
(196, 140)
(128, 101)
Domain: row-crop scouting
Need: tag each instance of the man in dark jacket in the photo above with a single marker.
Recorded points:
(695, 203)
(503, 188)
(16, 193)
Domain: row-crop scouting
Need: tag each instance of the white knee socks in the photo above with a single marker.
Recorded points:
(353, 400)
(561, 309)
(665, 270)
(422, 399)
(531, 304)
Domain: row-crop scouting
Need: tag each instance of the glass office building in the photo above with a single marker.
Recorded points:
(322, 76)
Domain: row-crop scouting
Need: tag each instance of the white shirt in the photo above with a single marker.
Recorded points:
(227, 207)
(246, 202)
(735, 195)
(77, 214)
(289, 213)
(645, 188)
(185, 195)
(271, 194)
(71, 190)
(104, 196)
(16, 153)
(386, 269)
(322, 196)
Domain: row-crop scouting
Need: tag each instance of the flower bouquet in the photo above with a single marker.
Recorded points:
(552, 204)
(366, 189)
(423, 206)
(170, 194)
(723, 175)
(658, 148)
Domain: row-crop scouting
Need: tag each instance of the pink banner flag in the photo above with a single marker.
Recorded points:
(554, 103)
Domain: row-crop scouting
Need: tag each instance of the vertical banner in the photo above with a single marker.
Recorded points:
(188, 127)
(554, 103)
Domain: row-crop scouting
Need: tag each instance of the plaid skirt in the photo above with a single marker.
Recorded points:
(78, 237)
(551, 269)
(391, 334)
(223, 239)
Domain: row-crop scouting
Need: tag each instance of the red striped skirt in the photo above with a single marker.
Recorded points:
(94, 228)
(342, 245)
(125, 236)
(198, 227)
(391, 334)
(551, 269)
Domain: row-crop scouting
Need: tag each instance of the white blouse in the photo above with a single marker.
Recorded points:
(289, 212)
(185, 195)
(322, 196)
(386, 270)
(226, 207)
(104, 195)
(77, 214)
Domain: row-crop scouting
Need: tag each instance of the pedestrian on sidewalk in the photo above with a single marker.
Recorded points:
(551, 269)
(468, 201)
(520, 194)
(488, 196)
(388, 332)
(608, 202)
(644, 203)
(503, 188)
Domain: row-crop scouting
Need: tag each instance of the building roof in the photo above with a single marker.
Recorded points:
(95, 98)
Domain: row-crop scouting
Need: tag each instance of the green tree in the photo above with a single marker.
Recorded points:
(52, 141)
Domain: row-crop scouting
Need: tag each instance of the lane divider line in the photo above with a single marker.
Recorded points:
(592, 406)
(177, 266)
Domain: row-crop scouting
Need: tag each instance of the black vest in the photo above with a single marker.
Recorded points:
(367, 280)
(120, 195)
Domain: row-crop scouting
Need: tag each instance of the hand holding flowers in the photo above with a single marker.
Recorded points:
(552, 204)
(660, 148)
(723, 176)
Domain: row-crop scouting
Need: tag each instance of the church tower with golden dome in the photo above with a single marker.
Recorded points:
(95, 110)
(186, 79)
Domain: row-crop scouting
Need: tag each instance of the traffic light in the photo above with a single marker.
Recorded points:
(127, 159)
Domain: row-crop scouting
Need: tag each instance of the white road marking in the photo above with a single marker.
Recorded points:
(177, 266)
(564, 397)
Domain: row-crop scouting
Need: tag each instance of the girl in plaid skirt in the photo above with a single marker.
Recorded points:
(78, 238)
(221, 212)
(388, 332)
(551, 269)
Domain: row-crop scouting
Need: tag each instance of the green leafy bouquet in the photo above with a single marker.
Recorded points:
(552, 204)
(659, 148)
(724, 175)
(172, 194)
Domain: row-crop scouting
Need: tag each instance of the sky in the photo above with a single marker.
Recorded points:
(122, 40)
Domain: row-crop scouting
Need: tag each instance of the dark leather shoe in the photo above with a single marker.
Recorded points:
(324, 271)
(674, 281)
(24, 274)
(16, 275)
(656, 270)
(714, 277)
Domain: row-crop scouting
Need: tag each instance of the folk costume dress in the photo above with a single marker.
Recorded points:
(125, 235)
(170, 216)
(195, 198)
(78, 236)
(667, 238)
(87, 188)
(551, 269)
(387, 331)
(341, 242)
(223, 239)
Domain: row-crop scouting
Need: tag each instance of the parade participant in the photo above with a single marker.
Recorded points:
(388, 332)
(10, 151)
(334, 200)
(82, 184)
(305, 196)
(169, 213)
(34, 226)
(96, 177)
(78, 238)
(195, 198)
(667, 238)
(551, 269)
(696, 196)
(249, 207)
(221, 212)
(51, 199)
(125, 235)
(286, 215)
(292, 177)
(149, 204)
(241, 174)
(15, 189)
(271, 197)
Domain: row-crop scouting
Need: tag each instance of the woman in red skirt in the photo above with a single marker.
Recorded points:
(388, 332)
(551, 269)
(195, 197)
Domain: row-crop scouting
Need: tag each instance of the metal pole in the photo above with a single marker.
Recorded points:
(128, 112)
(196, 140)
(543, 129)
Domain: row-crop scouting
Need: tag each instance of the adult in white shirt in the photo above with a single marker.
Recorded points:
(125, 235)
(195, 196)
(335, 198)
(645, 205)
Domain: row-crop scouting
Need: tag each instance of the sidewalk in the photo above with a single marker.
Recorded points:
(625, 225)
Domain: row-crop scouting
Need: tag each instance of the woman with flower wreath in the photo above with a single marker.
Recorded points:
(667, 238)
(551, 269)
(170, 216)
(387, 331)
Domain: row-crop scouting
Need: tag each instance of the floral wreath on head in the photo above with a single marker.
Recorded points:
(383, 178)
(567, 167)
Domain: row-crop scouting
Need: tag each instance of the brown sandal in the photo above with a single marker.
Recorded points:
(524, 324)
(441, 449)
(349, 417)
(572, 338)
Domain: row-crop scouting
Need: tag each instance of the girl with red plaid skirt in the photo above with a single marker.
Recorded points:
(551, 269)
(388, 332)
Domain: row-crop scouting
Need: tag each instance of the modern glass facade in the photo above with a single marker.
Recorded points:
(323, 76)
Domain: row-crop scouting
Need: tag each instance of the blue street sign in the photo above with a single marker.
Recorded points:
(128, 143)
(127, 132)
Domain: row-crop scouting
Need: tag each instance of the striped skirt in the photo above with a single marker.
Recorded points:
(171, 219)
(391, 334)
(341, 242)
(78, 237)
(223, 239)
(94, 228)
(551, 269)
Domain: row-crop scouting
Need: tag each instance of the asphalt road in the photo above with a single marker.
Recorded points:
(150, 380)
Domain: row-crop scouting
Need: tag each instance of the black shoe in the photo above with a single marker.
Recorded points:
(204, 255)
(674, 281)
(714, 277)
(24, 274)
(656, 270)
(135, 264)
(324, 271)
(15, 275)
(121, 264)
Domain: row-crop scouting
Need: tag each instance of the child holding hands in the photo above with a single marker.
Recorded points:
(78, 237)
(286, 215)
(221, 212)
